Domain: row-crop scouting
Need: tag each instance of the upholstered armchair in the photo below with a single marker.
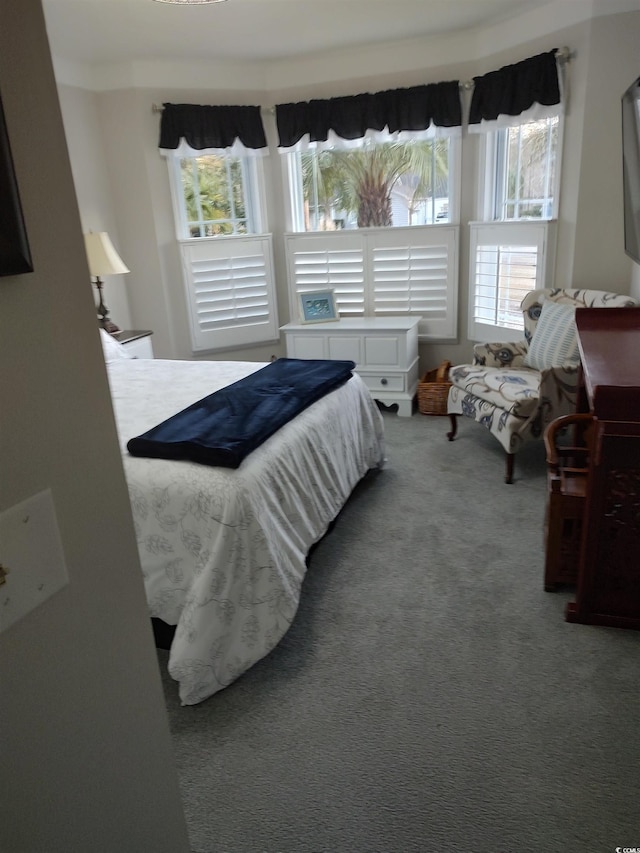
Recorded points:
(516, 389)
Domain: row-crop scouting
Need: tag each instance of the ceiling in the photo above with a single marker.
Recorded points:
(119, 31)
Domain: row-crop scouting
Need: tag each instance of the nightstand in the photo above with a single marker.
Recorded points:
(136, 341)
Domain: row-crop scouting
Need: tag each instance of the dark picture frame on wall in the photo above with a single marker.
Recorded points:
(15, 255)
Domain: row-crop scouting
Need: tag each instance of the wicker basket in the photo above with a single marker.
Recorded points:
(433, 390)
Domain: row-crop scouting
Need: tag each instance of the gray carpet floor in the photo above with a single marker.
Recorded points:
(429, 696)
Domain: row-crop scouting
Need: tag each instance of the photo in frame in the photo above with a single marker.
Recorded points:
(318, 307)
(15, 255)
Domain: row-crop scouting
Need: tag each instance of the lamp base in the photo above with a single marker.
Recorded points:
(109, 326)
(103, 312)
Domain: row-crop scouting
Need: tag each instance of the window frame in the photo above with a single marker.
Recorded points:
(255, 200)
(490, 180)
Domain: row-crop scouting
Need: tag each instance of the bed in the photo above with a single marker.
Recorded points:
(223, 551)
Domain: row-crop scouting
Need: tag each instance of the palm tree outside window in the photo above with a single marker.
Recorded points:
(378, 184)
(217, 190)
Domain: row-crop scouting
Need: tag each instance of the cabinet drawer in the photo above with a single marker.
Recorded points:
(382, 382)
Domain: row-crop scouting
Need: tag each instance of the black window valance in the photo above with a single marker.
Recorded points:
(513, 89)
(211, 126)
(350, 117)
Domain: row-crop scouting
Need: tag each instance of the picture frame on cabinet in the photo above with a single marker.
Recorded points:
(15, 254)
(318, 306)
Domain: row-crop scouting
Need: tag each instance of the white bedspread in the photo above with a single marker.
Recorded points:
(223, 552)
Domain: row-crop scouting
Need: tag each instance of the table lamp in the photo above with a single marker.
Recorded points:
(103, 260)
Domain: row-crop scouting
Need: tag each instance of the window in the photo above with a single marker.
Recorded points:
(513, 251)
(373, 222)
(227, 263)
(525, 169)
(370, 184)
(216, 195)
(216, 188)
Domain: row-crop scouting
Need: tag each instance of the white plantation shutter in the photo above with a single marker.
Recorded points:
(504, 275)
(335, 263)
(381, 272)
(507, 260)
(230, 292)
(417, 274)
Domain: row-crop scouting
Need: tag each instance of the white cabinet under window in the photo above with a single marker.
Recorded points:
(384, 349)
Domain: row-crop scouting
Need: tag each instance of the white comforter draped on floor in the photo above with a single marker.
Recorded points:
(223, 552)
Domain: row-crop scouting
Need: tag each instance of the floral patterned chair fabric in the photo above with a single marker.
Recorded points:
(513, 401)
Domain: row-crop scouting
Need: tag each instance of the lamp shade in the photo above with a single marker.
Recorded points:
(101, 255)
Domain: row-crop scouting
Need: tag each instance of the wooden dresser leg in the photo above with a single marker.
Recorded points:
(509, 475)
(454, 426)
(552, 538)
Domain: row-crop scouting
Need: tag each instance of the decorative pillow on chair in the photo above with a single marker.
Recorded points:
(554, 342)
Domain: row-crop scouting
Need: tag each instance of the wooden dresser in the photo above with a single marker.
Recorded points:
(608, 588)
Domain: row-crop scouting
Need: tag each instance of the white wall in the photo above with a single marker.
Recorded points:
(589, 240)
(614, 63)
(84, 134)
(87, 762)
(635, 281)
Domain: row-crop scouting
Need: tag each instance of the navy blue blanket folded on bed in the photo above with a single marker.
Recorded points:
(226, 426)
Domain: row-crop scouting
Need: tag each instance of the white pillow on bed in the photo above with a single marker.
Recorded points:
(112, 348)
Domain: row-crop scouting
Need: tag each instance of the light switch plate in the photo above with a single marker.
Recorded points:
(31, 557)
